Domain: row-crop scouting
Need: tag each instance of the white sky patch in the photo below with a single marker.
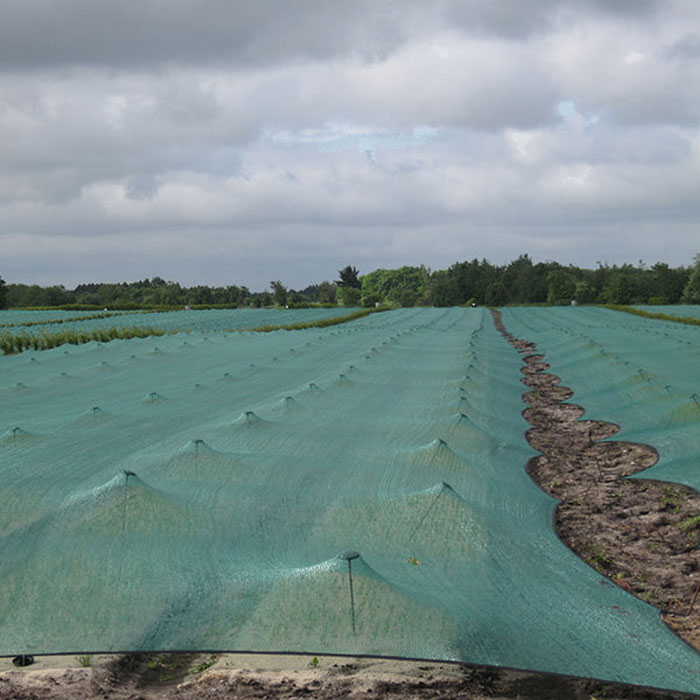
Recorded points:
(442, 51)
(633, 57)
(524, 144)
(340, 137)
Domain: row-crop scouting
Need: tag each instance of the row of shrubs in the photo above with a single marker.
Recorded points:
(11, 344)
(71, 319)
(156, 308)
(687, 320)
(322, 323)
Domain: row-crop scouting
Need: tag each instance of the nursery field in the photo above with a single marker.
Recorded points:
(640, 373)
(680, 310)
(205, 321)
(359, 489)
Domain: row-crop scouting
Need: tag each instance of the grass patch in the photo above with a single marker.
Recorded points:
(690, 523)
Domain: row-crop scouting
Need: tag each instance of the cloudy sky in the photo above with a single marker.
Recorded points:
(239, 141)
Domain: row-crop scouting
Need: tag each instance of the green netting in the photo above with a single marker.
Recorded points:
(681, 310)
(205, 321)
(195, 492)
(643, 374)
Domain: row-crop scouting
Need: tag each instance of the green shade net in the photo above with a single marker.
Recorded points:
(642, 374)
(195, 492)
(205, 320)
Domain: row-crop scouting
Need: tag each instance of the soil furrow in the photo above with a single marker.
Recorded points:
(643, 535)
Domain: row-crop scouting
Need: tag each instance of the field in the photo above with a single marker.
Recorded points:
(358, 489)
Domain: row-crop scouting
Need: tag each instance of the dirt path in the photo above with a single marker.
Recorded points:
(643, 535)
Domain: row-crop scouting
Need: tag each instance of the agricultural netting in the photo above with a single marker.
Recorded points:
(359, 489)
(643, 374)
(203, 320)
(13, 318)
(681, 310)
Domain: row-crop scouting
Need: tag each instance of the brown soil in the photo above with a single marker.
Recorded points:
(640, 534)
(643, 535)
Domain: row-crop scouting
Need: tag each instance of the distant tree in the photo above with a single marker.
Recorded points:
(496, 294)
(279, 291)
(562, 286)
(327, 293)
(349, 277)
(519, 279)
(3, 294)
(584, 292)
(691, 293)
(349, 296)
(201, 294)
(444, 290)
(294, 297)
(669, 282)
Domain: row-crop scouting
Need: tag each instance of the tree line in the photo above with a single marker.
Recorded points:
(469, 282)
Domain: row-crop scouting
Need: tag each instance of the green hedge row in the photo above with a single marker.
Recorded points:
(323, 323)
(687, 320)
(12, 344)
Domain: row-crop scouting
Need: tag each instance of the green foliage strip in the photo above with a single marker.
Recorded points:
(11, 344)
(687, 320)
(323, 323)
(71, 319)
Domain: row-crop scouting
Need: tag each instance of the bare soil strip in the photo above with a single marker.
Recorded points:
(642, 535)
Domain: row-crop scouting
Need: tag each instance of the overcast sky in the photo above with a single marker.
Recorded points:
(239, 141)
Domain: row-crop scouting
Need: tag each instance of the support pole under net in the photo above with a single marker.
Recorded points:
(348, 556)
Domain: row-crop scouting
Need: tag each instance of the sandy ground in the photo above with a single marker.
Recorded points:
(247, 676)
(633, 532)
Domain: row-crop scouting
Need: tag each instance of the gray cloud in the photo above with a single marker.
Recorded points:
(243, 142)
(51, 33)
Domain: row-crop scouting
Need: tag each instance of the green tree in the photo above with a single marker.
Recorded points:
(349, 277)
(327, 293)
(279, 291)
(349, 296)
(444, 290)
(562, 286)
(691, 293)
(3, 294)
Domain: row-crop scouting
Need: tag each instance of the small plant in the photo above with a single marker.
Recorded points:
(669, 499)
(690, 523)
(598, 558)
(154, 663)
(314, 662)
(414, 560)
(85, 661)
(205, 664)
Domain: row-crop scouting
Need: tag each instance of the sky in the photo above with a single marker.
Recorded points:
(237, 142)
